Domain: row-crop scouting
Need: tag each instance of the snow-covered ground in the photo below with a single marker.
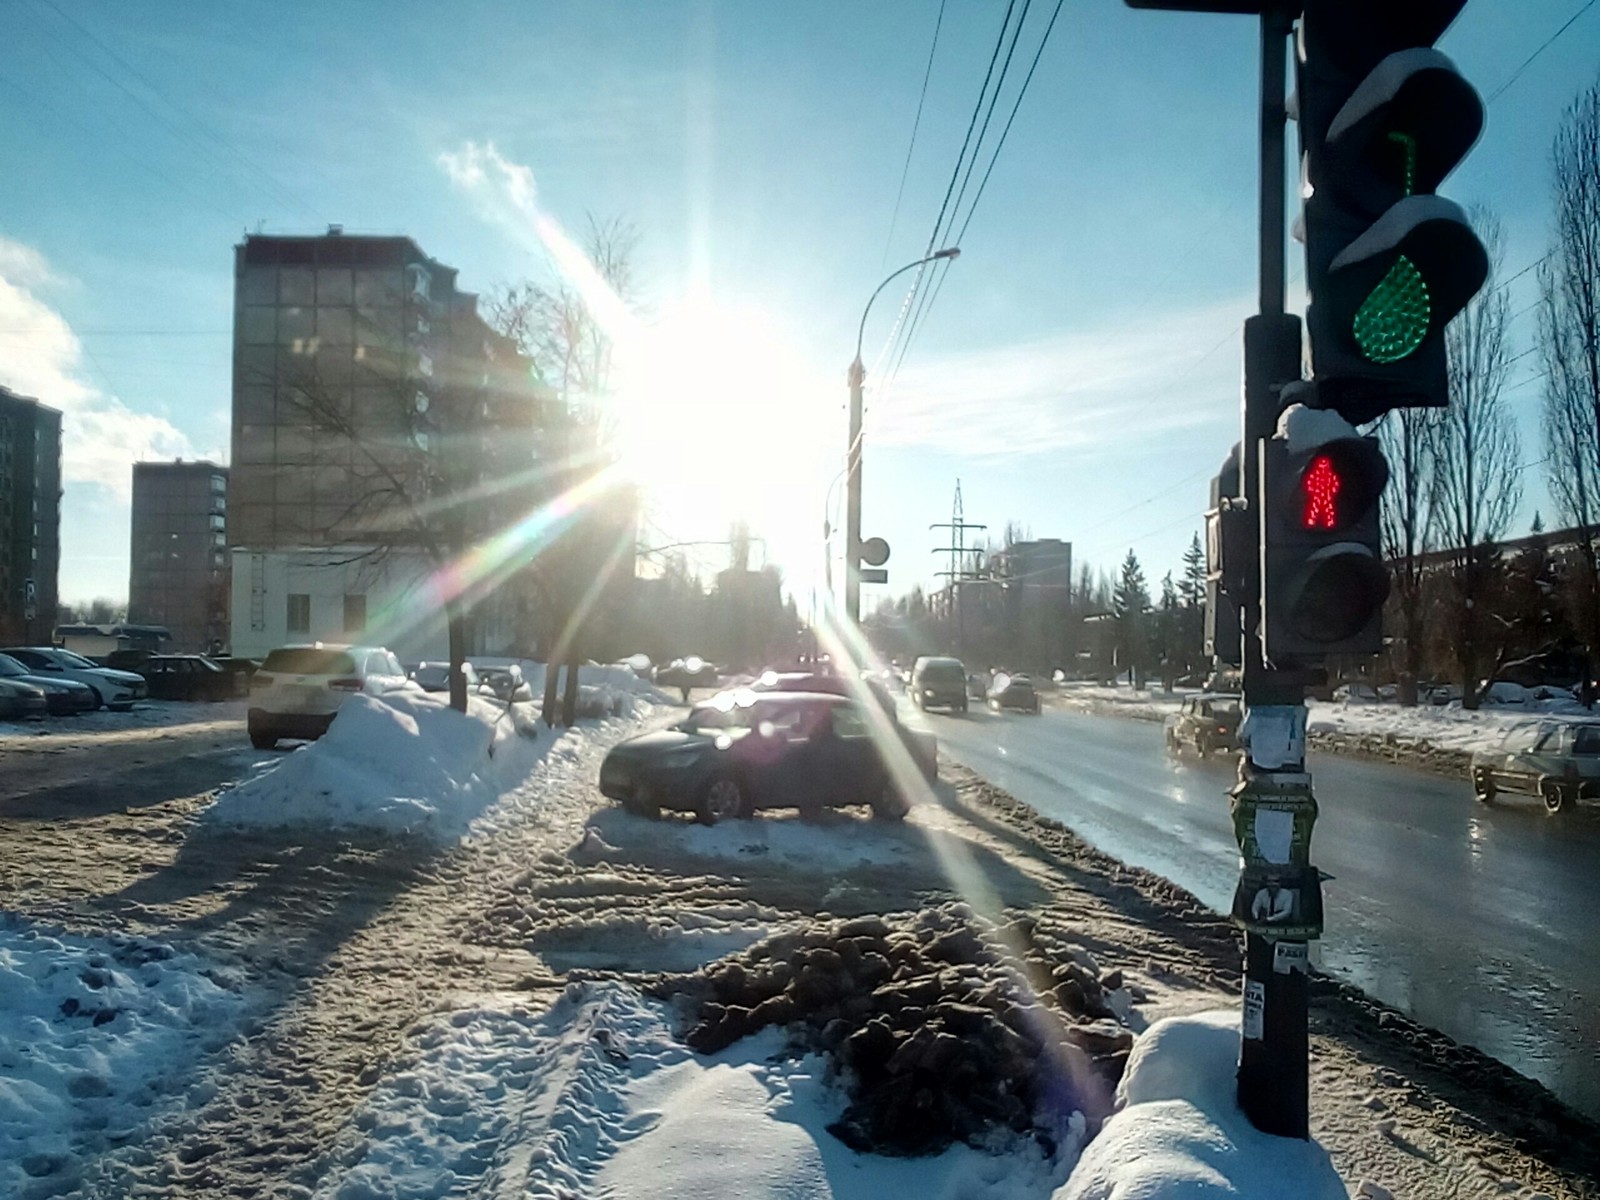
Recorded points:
(96, 1034)
(146, 714)
(1442, 727)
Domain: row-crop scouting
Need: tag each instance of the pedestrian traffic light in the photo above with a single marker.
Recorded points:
(1384, 118)
(1323, 580)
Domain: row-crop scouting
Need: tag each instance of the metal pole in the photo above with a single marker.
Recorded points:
(1279, 898)
(852, 499)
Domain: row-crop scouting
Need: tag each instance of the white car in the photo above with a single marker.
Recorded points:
(112, 688)
(299, 689)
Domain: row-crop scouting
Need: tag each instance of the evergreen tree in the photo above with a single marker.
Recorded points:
(1130, 604)
(1192, 586)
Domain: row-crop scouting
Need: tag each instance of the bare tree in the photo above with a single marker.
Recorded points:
(1569, 343)
(1477, 482)
(572, 351)
(1406, 519)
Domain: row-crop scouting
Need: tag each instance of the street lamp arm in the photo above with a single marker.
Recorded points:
(950, 252)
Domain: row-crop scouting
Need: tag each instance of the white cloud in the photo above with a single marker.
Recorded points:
(41, 357)
(1071, 391)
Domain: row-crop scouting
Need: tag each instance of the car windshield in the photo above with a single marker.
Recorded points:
(1225, 708)
(433, 673)
(944, 671)
(68, 659)
(309, 660)
(713, 717)
(10, 666)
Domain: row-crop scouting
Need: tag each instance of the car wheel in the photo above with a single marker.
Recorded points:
(99, 700)
(890, 803)
(1202, 745)
(1483, 787)
(262, 740)
(1556, 795)
(723, 800)
(962, 708)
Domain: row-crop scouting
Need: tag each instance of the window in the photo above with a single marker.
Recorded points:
(299, 612)
(1586, 740)
(849, 723)
(355, 613)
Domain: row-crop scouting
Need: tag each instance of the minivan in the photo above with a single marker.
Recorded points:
(939, 683)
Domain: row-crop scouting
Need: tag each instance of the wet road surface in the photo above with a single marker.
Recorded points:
(1479, 921)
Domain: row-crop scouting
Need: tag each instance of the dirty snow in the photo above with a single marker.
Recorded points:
(596, 1097)
(95, 1034)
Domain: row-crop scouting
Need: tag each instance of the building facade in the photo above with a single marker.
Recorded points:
(30, 518)
(381, 430)
(178, 562)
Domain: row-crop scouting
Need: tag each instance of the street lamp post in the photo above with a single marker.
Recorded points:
(858, 375)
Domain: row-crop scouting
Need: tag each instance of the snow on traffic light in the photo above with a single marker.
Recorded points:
(1384, 118)
(1323, 582)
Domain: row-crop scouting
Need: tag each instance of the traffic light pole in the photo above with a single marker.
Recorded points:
(1274, 791)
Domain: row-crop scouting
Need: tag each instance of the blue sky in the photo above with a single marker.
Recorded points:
(1079, 372)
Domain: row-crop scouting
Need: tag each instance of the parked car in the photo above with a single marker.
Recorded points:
(299, 689)
(19, 700)
(435, 676)
(1207, 722)
(1355, 693)
(1015, 692)
(62, 697)
(186, 677)
(826, 683)
(1503, 694)
(686, 674)
(1440, 693)
(743, 751)
(1555, 760)
(112, 688)
(505, 682)
(939, 683)
(240, 670)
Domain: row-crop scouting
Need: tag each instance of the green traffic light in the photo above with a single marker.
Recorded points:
(1393, 321)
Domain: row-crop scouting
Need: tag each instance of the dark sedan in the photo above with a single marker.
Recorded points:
(19, 700)
(685, 674)
(186, 677)
(62, 697)
(743, 751)
(1014, 692)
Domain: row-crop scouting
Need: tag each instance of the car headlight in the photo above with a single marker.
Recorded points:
(927, 692)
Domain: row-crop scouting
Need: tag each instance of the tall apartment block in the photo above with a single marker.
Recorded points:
(30, 518)
(178, 568)
(359, 365)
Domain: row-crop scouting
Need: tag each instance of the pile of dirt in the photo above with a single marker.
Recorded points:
(944, 1026)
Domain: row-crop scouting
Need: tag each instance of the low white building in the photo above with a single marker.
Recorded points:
(281, 597)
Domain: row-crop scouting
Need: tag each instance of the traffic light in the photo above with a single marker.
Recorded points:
(1323, 579)
(1384, 118)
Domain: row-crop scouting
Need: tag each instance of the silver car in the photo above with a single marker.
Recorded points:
(1557, 761)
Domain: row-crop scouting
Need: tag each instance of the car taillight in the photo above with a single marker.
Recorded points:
(258, 680)
(1222, 729)
(345, 685)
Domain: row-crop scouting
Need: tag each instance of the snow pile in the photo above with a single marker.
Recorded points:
(403, 762)
(92, 1032)
(597, 1098)
(602, 690)
(1180, 1134)
(1150, 703)
(1443, 727)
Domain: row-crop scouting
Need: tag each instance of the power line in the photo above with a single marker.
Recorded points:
(955, 173)
(1527, 62)
(915, 125)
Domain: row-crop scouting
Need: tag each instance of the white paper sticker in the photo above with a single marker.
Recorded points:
(1288, 957)
(1255, 1006)
(1276, 735)
(1274, 834)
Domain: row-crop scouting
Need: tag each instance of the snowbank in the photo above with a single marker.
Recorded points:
(597, 1098)
(1180, 1135)
(409, 763)
(92, 1033)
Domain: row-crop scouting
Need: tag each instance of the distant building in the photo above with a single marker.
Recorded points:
(373, 335)
(30, 518)
(178, 565)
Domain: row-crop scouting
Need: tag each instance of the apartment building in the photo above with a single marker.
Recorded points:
(30, 518)
(178, 560)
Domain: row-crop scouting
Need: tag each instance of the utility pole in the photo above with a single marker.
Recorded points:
(958, 572)
(1383, 118)
(853, 544)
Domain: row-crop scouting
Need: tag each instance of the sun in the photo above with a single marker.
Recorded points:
(720, 421)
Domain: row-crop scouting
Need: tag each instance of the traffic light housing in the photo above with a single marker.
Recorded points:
(1323, 582)
(1384, 118)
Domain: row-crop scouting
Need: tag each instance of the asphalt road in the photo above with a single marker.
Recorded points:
(1478, 921)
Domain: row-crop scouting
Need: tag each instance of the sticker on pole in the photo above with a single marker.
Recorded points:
(1289, 958)
(1255, 1010)
(1279, 903)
